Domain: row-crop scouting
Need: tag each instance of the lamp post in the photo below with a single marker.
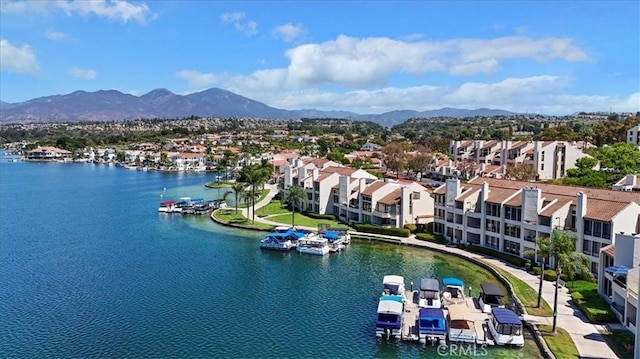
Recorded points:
(555, 299)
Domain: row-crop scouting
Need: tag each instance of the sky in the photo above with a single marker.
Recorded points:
(547, 57)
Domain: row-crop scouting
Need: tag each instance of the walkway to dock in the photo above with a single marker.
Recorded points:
(585, 335)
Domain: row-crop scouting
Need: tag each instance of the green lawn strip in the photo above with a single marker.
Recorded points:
(229, 216)
(621, 342)
(561, 344)
(302, 220)
(273, 207)
(261, 194)
(586, 298)
(219, 184)
(527, 295)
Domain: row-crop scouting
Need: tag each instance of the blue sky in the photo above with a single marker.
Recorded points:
(551, 57)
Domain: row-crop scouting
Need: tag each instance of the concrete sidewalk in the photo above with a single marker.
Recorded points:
(585, 335)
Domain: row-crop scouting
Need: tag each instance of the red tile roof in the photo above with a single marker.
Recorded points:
(391, 198)
(368, 190)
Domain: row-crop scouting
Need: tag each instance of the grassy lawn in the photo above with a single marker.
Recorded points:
(527, 295)
(560, 344)
(274, 207)
(260, 194)
(228, 216)
(585, 296)
(302, 220)
(621, 342)
(219, 184)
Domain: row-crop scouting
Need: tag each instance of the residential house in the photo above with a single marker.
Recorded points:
(370, 147)
(507, 216)
(633, 135)
(630, 183)
(48, 153)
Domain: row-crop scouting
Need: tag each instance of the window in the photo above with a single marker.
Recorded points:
(586, 246)
(492, 226)
(597, 229)
(512, 213)
(416, 195)
(493, 209)
(511, 230)
(542, 166)
(512, 247)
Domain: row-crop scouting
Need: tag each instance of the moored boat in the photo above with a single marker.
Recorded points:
(281, 241)
(429, 293)
(452, 292)
(393, 285)
(461, 326)
(389, 317)
(311, 243)
(167, 206)
(506, 327)
(490, 297)
(432, 325)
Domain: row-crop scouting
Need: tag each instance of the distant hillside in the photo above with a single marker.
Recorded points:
(161, 103)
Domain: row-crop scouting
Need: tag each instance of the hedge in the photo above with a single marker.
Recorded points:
(550, 274)
(412, 227)
(392, 231)
(330, 217)
(586, 298)
(516, 261)
(429, 237)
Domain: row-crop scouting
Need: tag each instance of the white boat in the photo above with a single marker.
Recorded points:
(461, 327)
(281, 241)
(452, 292)
(429, 296)
(393, 285)
(311, 243)
(506, 327)
(167, 206)
(389, 317)
(490, 297)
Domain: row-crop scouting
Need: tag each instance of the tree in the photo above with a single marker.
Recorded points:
(543, 251)
(395, 157)
(621, 157)
(295, 195)
(238, 189)
(253, 175)
(520, 172)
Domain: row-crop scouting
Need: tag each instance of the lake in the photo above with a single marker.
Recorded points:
(89, 268)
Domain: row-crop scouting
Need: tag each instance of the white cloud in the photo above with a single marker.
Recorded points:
(115, 10)
(290, 32)
(17, 59)
(82, 73)
(55, 35)
(196, 79)
(248, 27)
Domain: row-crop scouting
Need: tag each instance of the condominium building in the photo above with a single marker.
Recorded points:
(355, 195)
(508, 215)
(633, 135)
(48, 153)
(618, 278)
(551, 159)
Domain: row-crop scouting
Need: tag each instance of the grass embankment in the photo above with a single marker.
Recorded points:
(527, 295)
(272, 208)
(219, 184)
(228, 216)
(621, 342)
(586, 298)
(560, 344)
(276, 212)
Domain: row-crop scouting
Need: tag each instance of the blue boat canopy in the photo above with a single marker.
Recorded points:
(429, 284)
(395, 298)
(431, 313)
(617, 270)
(331, 235)
(453, 282)
(506, 316)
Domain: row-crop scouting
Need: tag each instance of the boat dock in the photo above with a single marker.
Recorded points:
(412, 310)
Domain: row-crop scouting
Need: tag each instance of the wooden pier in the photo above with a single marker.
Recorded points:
(410, 330)
(480, 322)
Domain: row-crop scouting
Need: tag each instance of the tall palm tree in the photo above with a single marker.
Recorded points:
(238, 189)
(543, 251)
(249, 200)
(295, 195)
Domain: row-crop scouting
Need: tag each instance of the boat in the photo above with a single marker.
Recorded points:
(429, 293)
(167, 206)
(281, 241)
(432, 325)
(342, 234)
(389, 317)
(311, 243)
(461, 326)
(506, 327)
(337, 240)
(490, 297)
(393, 285)
(453, 291)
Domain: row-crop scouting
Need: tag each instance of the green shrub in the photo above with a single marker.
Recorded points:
(412, 227)
(430, 237)
(536, 270)
(516, 261)
(392, 231)
(330, 217)
(586, 298)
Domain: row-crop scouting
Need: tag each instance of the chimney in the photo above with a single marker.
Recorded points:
(484, 193)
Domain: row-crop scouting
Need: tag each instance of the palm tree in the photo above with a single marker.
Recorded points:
(295, 195)
(249, 200)
(251, 175)
(238, 189)
(543, 251)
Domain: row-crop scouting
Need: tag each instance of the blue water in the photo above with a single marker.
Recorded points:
(88, 268)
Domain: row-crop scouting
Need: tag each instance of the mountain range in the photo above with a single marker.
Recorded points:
(108, 105)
